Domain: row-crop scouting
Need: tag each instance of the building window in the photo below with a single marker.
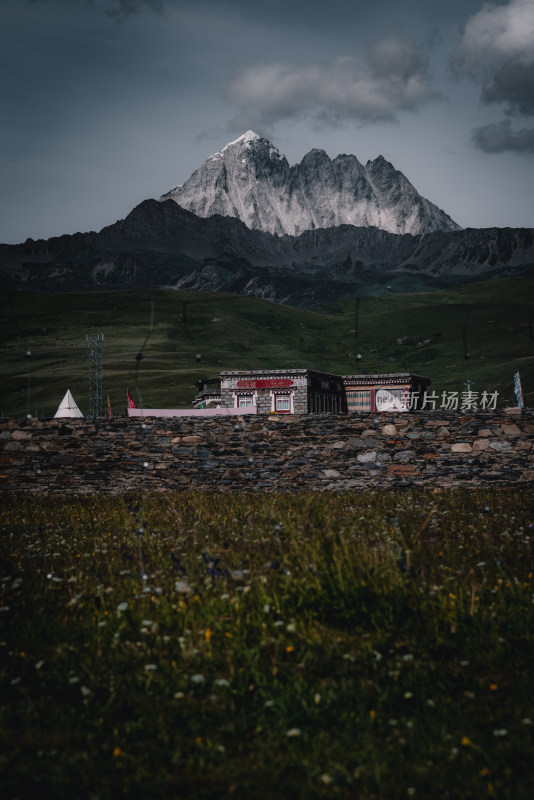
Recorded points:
(244, 401)
(359, 400)
(282, 403)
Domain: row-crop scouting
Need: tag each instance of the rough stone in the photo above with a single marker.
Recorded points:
(481, 444)
(390, 430)
(12, 447)
(404, 456)
(331, 473)
(510, 430)
(352, 442)
(500, 446)
(232, 473)
(64, 459)
(366, 457)
(402, 469)
(461, 447)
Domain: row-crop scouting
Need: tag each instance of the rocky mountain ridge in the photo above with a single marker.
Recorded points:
(159, 244)
(251, 180)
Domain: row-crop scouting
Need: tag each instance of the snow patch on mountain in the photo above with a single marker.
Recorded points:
(245, 138)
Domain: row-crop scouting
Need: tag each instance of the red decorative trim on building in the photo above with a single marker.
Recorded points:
(265, 383)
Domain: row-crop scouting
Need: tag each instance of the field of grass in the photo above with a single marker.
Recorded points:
(423, 333)
(202, 646)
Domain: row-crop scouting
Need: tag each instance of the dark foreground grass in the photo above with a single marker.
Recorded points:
(372, 645)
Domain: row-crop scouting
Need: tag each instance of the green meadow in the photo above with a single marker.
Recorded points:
(376, 646)
(426, 333)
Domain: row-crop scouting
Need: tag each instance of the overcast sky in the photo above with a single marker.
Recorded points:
(104, 103)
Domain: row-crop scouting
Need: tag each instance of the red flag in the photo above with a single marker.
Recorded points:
(131, 403)
(109, 408)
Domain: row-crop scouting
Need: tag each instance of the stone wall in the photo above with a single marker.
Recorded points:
(277, 453)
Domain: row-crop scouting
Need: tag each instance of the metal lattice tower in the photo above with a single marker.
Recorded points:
(94, 353)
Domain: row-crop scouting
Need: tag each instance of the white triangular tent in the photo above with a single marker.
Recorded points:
(68, 407)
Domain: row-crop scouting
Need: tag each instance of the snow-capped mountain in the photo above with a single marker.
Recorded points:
(251, 180)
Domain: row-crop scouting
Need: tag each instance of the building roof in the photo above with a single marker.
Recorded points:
(262, 372)
(385, 377)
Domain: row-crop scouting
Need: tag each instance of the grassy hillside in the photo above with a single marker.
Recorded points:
(422, 333)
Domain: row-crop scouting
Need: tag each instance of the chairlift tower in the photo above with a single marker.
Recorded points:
(94, 353)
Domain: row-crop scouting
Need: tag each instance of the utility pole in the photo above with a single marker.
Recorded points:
(467, 354)
(357, 355)
(94, 353)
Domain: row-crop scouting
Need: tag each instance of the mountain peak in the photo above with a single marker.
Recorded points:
(379, 161)
(316, 154)
(251, 180)
(245, 138)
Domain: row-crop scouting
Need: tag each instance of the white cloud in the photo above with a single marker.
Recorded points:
(395, 78)
(495, 35)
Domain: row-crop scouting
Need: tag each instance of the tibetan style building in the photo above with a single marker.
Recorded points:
(305, 391)
(397, 391)
(285, 391)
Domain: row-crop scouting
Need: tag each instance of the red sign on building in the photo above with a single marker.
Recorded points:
(265, 383)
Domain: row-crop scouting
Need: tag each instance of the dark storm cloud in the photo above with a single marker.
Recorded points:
(512, 84)
(394, 78)
(115, 8)
(500, 138)
(497, 47)
(124, 8)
